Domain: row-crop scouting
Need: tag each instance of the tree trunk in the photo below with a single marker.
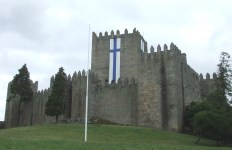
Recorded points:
(19, 117)
(217, 142)
(56, 119)
(198, 140)
(31, 119)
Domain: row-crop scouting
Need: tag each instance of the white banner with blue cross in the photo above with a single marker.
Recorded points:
(114, 64)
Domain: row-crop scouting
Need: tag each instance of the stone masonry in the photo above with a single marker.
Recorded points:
(153, 89)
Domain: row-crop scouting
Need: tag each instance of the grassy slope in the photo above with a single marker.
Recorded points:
(100, 137)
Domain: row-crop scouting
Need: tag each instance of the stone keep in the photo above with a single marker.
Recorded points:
(127, 85)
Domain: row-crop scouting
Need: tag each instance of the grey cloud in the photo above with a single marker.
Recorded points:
(23, 18)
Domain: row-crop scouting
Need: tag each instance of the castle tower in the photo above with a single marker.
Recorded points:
(162, 77)
(116, 55)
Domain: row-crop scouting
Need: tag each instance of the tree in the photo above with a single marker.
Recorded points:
(212, 125)
(191, 111)
(55, 105)
(21, 84)
(213, 118)
(224, 79)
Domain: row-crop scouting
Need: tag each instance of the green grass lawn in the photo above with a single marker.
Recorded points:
(100, 137)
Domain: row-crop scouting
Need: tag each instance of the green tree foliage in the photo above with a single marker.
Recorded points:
(212, 125)
(224, 79)
(55, 105)
(21, 84)
(193, 109)
(213, 118)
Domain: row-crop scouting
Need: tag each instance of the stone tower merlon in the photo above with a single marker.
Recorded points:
(152, 50)
(207, 76)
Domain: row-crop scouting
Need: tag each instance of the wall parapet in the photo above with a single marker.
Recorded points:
(106, 35)
(207, 76)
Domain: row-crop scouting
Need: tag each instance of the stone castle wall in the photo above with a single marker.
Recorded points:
(78, 96)
(117, 103)
(112, 102)
(39, 102)
(19, 113)
(165, 73)
(150, 111)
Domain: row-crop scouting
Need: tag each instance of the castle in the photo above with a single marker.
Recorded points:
(127, 85)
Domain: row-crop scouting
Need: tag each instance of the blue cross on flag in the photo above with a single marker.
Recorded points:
(114, 64)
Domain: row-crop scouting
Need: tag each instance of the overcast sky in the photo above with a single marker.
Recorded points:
(48, 34)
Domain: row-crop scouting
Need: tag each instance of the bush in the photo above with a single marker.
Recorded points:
(191, 110)
(212, 125)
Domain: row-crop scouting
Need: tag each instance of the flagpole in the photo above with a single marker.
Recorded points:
(87, 91)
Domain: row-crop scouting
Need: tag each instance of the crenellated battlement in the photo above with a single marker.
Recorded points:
(173, 49)
(165, 52)
(112, 34)
(207, 76)
(78, 75)
(121, 83)
(170, 51)
(207, 85)
(44, 92)
(94, 79)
